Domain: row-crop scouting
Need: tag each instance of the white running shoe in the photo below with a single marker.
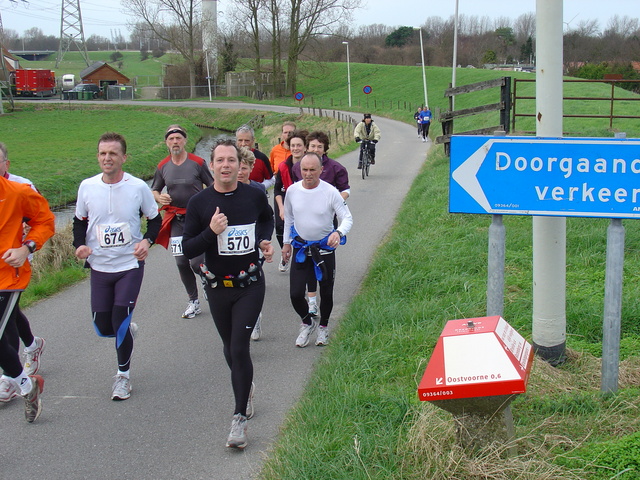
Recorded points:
(32, 401)
(257, 330)
(32, 358)
(238, 435)
(323, 336)
(305, 332)
(121, 388)
(284, 266)
(250, 411)
(133, 328)
(313, 309)
(193, 309)
(8, 389)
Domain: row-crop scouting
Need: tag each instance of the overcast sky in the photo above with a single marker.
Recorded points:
(104, 17)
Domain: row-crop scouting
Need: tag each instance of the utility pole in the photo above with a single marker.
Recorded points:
(549, 233)
(5, 83)
(71, 31)
(210, 35)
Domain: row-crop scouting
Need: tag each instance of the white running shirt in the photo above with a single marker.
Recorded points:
(311, 211)
(113, 211)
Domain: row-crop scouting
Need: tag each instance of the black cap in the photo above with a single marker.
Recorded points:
(367, 115)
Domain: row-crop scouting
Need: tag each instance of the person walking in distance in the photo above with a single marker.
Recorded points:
(19, 202)
(106, 233)
(33, 346)
(183, 174)
(230, 222)
(310, 241)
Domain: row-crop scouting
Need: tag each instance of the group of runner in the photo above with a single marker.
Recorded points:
(217, 223)
(423, 120)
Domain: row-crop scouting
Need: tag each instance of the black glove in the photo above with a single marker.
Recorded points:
(374, 141)
(358, 139)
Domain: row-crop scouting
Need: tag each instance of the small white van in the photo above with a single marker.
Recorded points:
(68, 81)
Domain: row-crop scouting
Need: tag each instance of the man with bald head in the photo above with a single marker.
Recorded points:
(310, 240)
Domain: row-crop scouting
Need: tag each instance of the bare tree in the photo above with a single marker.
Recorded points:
(587, 28)
(274, 8)
(525, 27)
(176, 22)
(621, 26)
(247, 16)
(309, 19)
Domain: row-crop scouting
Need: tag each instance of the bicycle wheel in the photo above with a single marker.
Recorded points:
(365, 162)
(368, 165)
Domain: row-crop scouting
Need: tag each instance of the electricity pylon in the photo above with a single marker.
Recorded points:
(71, 31)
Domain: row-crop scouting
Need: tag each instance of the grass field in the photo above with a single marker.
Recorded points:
(360, 417)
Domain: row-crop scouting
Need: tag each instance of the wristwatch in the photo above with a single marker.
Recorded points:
(31, 245)
(340, 233)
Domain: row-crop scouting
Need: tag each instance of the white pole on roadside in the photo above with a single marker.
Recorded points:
(348, 72)
(424, 75)
(206, 57)
(455, 54)
(549, 327)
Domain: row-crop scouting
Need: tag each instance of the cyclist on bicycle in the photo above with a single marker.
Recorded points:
(367, 130)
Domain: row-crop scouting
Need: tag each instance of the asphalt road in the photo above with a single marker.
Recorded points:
(177, 420)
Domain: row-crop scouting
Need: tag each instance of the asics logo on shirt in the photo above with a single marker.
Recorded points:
(234, 232)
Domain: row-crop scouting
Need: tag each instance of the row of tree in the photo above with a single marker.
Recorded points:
(275, 33)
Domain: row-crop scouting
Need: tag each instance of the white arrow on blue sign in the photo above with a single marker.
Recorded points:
(581, 177)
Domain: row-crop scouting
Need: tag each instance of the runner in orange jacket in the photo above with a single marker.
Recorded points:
(18, 202)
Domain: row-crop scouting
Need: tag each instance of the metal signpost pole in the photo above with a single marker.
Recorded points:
(455, 55)
(495, 265)
(612, 306)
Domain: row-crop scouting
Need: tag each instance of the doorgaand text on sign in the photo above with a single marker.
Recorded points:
(588, 177)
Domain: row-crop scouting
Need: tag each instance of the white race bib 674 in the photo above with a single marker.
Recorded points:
(114, 235)
(237, 240)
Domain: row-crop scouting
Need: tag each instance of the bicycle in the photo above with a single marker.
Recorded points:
(366, 157)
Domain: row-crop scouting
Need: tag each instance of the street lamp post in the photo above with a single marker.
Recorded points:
(424, 76)
(348, 72)
(455, 54)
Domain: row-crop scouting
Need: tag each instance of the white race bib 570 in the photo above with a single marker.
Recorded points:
(237, 240)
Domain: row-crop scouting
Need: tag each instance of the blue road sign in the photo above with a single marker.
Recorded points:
(580, 177)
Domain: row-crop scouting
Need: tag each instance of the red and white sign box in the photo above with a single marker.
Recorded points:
(477, 357)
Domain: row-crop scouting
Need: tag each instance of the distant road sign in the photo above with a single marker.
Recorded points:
(581, 177)
(367, 89)
(299, 96)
